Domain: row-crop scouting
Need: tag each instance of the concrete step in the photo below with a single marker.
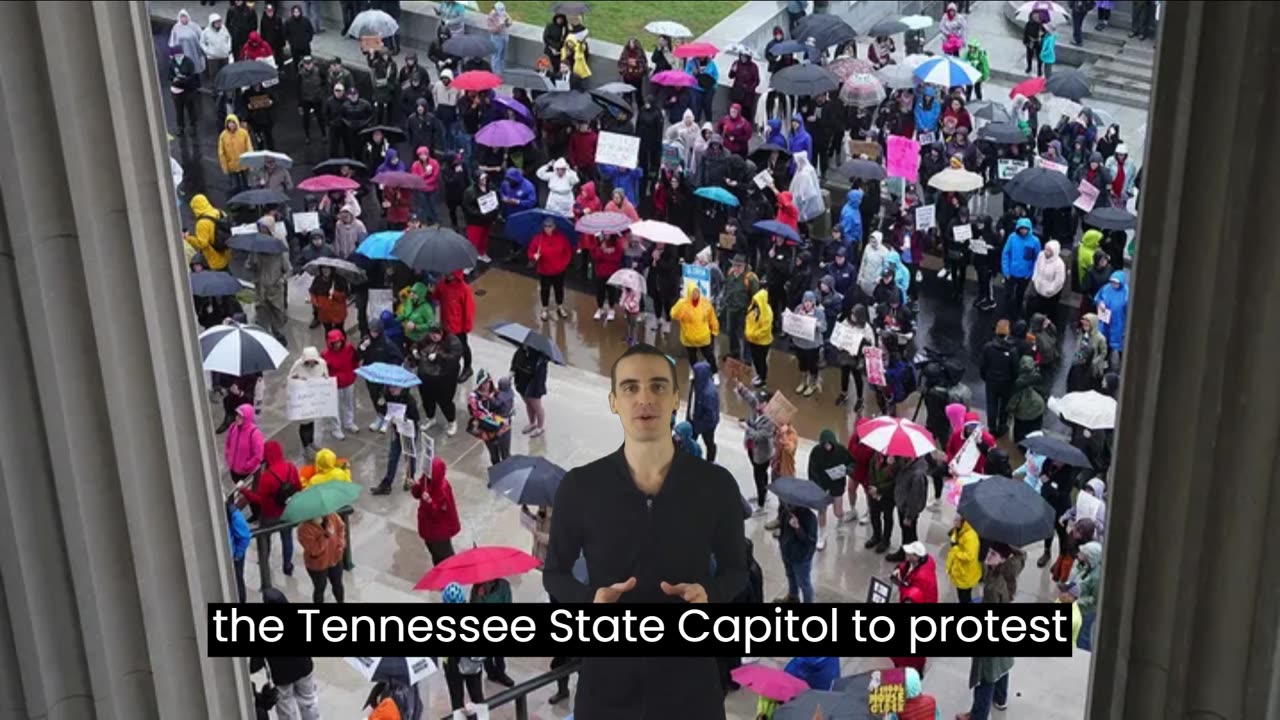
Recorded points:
(1128, 98)
(1105, 79)
(1114, 67)
(1139, 50)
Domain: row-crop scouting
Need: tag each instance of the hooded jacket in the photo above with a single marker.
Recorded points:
(1050, 274)
(964, 567)
(920, 584)
(686, 132)
(243, 448)
(256, 48)
(327, 470)
(238, 532)
(516, 186)
(417, 309)
(829, 468)
(927, 117)
(851, 219)
(322, 545)
(277, 474)
(787, 213)
(820, 326)
(1087, 576)
(737, 132)
(457, 304)
(1019, 256)
(774, 135)
(437, 511)
(873, 260)
(202, 237)
(342, 361)
(215, 42)
(999, 364)
(1089, 243)
(806, 190)
(759, 326)
(800, 138)
(831, 300)
(233, 144)
(1116, 302)
(550, 254)
(682, 434)
(428, 171)
(818, 672)
(1026, 403)
(424, 129)
(698, 322)
(706, 400)
(1092, 348)
(448, 356)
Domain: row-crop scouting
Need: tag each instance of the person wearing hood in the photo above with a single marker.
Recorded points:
(341, 358)
(1112, 303)
(686, 133)
(480, 222)
(633, 66)
(296, 693)
(581, 153)
(1017, 263)
(798, 541)
(917, 580)
(851, 220)
(807, 348)
(774, 135)
(215, 46)
(184, 45)
(491, 407)
(806, 190)
(705, 414)
(1096, 277)
(400, 396)
(832, 303)
(323, 542)
(438, 357)
(1000, 371)
(233, 142)
(1090, 506)
(518, 194)
(758, 333)
(736, 129)
(240, 537)
(255, 47)
(927, 111)
(829, 467)
(242, 21)
(1109, 141)
(244, 445)
(1089, 243)
(800, 138)
(843, 272)
(1122, 171)
(1097, 174)
(205, 237)
(745, 75)
(1048, 50)
(649, 127)
(1047, 280)
(456, 305)
(910, 495)
(309, 367)
(976, 55)
(550, 253)
(699, 327)
(873, 260)
(348, 232)
(311, 90)
(682, 435)
(1090, 359)
(271, 28)
(428, 168)
(379, 347)
(700, 145)
(1026, 404)
(276, 484)
(964, 567)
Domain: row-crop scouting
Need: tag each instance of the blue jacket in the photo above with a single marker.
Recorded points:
(1019, 257)
(775, 136)
(927, 120)
(1117, 301)
(819, 672)
(238, 531)
(901, 275)
(800, 138)
(845, 276)
(1048, 49)
(626, 180)
(685, 440)
(706, 400)
(691, 67)
(851, 217)
(516, 185)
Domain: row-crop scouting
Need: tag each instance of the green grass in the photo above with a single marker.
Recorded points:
(615, 21)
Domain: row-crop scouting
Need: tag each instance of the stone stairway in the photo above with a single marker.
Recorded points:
(1126, 76)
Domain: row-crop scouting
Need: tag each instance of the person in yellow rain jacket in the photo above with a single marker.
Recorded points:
(963, 565)
(327, 470)
(574, 56)
(204, 232)
(698, 329)
(233, 142)
(759, 334)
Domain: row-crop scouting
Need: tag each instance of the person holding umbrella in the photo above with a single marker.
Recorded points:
(323, 541)
(437, 512)
(376, 347)
(963, 566)
(797, 543)
(329, 293)
(529, 370)
(550, 253)
(438, 355)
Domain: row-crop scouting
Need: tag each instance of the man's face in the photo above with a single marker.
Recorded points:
(644, 396)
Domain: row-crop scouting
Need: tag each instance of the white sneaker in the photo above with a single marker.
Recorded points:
(690, 375)
(864, 518)
(376, 424)
(919, 276)
(353, 428)
(609, 316)
(451, 429)
(382, 426)
(337, 434)
(942, 273)
(599, 314)
(716, 379)
(822, 543)
(485, 259)
(431, 422)
(545, 315)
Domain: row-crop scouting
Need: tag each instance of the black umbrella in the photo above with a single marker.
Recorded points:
(331, 167)
(863, 170)
(521, 335)
(570, 8)
(569, 105)
(884, 28)
(1056, 448)
(1111, 218)
(526, 480)
(394, 135)
(853, 684)
(525, 79)
(835, 706)
(469, 46)
(1002, 133)
(259, 197)
(240, 350)
(243, 74)
(213, 283)
(804, 80)
(1069, 83)
(1042, 188)
(435, 250)
(991, 111)
(760, 156)
(795, 491)
(611, 101)
(257, 243)
(1006, 511)
(826, 30)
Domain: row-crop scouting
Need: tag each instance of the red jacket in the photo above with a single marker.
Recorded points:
(736, 133)
(787, 212)
(432, 178)
(957, 438)
(586, 203)
(556, 253)
(457, 304)
(343, 361)
(437, 512)
(278, 472)
(607, 257)
(919, 585)
(401, 202)
(582, 149)
(862, 455)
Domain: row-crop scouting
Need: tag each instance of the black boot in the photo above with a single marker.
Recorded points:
(874, 541)
(896, 556)
(883, 547)
(562, 694)
(503, 679)
(384, 488)
(226, 423)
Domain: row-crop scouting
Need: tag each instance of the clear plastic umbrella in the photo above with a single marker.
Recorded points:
(256, 159)
(373, 22)
(668, 28)
(917, 22)
(862, 90)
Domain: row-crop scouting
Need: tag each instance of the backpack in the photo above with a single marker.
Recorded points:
(221, 230)
(283, 492)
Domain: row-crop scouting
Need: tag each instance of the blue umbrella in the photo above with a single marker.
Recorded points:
(378, 246)
(717, 194)
(947, 72)
(775, 227)
(522, 226)
(526, 480)
(521, 335)
(388, 374)
(789, 47)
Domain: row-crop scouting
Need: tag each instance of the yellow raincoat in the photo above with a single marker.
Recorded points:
(698, 323)
(759, 329)
(201, 237)
(963, 565)
(576, 50)
(232, 144)
(327, 470)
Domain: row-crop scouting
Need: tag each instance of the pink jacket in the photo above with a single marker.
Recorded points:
(430, 172)
(244, 444)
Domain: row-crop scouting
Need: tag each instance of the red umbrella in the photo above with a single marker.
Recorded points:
(327, 183)
(769, 683)
(478, 565)
(402, 180)
(896, 437)
(477, 81)
(696, 49)
(1028, 88)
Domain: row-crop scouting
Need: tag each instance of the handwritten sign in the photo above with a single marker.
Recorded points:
(763, 179)
(962, 233)
(305, 222)
(1088, 196)
(487, 202)
(978, 246)
(310, 399)
(903, 158)
(926, 217)
(1104, 313)
(875, 365)
(967, 459)
(672, 157)
(846, 337)
(396, 412)
(616, 149)
(864, 149)
(779, 409)
(379, 299)
(735, 369)
(1006, 168)
(699, 277)
(1051, 165)
(799, 326)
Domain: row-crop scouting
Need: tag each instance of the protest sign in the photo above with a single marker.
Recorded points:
(425, 453)
(487, 202)
(699, 277)
(799, 326)
(903, 158)
(1008, 167)
(305, 222)
(926, 217)
(763, 179)
(379, 299)
(927, 138)
(875, 365)
(879, 591)
(396, 412)
(779, 409)
(888, 692)
(978, 246)
(311, 399)
(845, 337)
(735, 369)
(671, 156)
(967, 459)
(863, 148)
(962, 232)
(618, 150)
(1088, 196)
(1103, 312)
(245, 229)
(1050, 165)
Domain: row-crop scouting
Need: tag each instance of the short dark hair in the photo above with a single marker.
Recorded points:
(641, 349)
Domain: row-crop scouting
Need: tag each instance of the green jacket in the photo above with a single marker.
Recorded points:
(737, 293)
(975, 55)
(1026, 402)
(499, 594)
(419, 311)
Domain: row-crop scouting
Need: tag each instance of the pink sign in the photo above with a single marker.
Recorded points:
(1088, 196)
(903, 159)
(875, 365)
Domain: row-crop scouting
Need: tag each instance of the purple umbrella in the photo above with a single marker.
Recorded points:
(603, 222)
(402, 180)
(504, 134)
(515, 106)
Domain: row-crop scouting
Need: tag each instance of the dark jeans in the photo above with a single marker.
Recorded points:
(846, 372)
(562, 685)
(909, 526)
(307, 434)
(545, 285)
(606, 294)
(499, 448)
(1015, 291)
(186, 108)
(307, 109)
(984, 282)
(882, 519)
(1023, 428)
(240, 580)
(286, 549)
(393, 460)
(987, 694)
(734, 323)
(708, 354)
(1033, 54)
(466, 352)
(975, 89)
(320, 578)
(808, 358)
(495, 667)
(760, 360)
(1077, 27)
(440, 551)
(1061, 531)
(335, 139)
(998, 408)
(457, 681)
(965, 595)
(437, 390)
(761, 473)
(708, 439)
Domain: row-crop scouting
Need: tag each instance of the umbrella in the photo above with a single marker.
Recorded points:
(522, 226)
(257, 243)
(862, 90)
(381, 373)
(505, 134)
(1069, 83)
(915, 60)
(526, 480)
(523, 336)
(660, 232)
(525, 79)
(789, 47)
(477, 565)
(469, 46)
(348, 270)
(1028, 88)
(397, 179)
(955, 180)
(406, 671)
(628, 278)
(1057, 13)
(213, 283)
(774, 227)
(259, 197)
(947, 72)
(844, 67)
(240, 350)
(319, 501)
(1002, 133)
(327, 183)
(1111, 218)
(896, 437)
(435, 250)
(863, 170)
(373, 22)
(1090, 410)
(1101, 118)
(804, 80)
(602, 222)
(1041, 188)
(611, 102)
(990, 111)
(616, 88)
(760, 155)
(770, 683)
(826, 30)
(477, 80)
(378, 245)
(740, 49)
(336, 164)
(718, 195)
(803, 493)
(668, 28)
(515, 106)
(917, 22)
(888, 27)
(1006, 511)
(257, 159)
(674, 78)
(1056, 448)
(571, 105)
(835, 706)
(896, 76)
(242, 74)
(393, 134)
(696, 50)
(570, 8)
(853, 683)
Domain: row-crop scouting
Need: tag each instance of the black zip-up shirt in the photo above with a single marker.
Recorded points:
(601, 513)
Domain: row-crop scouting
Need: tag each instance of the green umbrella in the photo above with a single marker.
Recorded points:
(319, 501)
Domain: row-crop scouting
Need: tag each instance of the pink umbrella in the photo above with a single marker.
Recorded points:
(402, 180)
(660, 232)
(862, 90)
(896, 437)
(769, 683)
(478, 565)
(696, 49)
(328, 183)
(673, 78)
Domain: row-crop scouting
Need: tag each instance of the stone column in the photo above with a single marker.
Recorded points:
(1191, 588)
(111, 521)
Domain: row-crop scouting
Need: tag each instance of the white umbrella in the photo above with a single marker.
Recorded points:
(917, 22)
(1057, 13)
(740, 49)
(660, 232)
(668, 28)
(955, 180)
(240, 350)
(373, 22)
(914, 61)
(256, 159)
(1091, 410)
(628, 278)
(375, 669)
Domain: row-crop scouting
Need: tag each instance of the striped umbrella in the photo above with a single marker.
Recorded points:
(240, 350)
(896, 437)
(947, 72)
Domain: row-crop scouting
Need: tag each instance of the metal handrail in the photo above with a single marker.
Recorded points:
(519, 694)
(262, 534)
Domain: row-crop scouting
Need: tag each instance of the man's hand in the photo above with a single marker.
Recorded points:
(689, 592)
(611, 593)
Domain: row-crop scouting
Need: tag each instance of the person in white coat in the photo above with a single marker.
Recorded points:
(560, 180)
(686, 132)
(872, 266)
(806, 189)
(215, 41)
(1047, 280)
(1122, 171)
(186, 34)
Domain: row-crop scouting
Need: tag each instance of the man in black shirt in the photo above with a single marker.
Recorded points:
(648, 520)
